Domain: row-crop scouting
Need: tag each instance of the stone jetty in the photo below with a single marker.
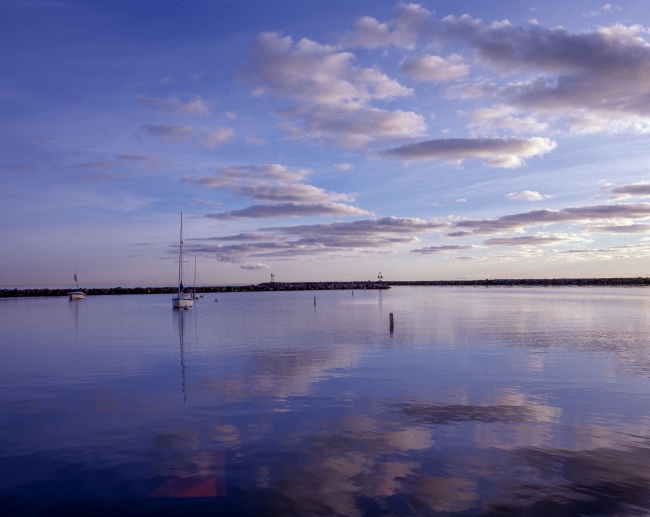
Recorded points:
(276, 286)
(534, 282)
(326, 286)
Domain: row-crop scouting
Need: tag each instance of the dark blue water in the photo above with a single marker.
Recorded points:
(481, 401)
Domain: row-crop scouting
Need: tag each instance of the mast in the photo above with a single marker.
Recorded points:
(180, 260)
(75, 276)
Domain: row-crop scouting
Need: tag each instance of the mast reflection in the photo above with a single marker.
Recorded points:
(181, 341)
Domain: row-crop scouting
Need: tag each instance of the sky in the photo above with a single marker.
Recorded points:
(322, 140)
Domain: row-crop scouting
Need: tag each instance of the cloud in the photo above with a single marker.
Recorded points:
(208, 202)
(626, 251)
(136, 157)
(353, 126)
(278, 184)
(108, 175)
(617, 228)
(343, 166)
(434, 69)
(595, 80)
(640, 189)
(168, 133)
(239, 176)
(498, 152)
(461, 200)
(95, 165)
(528, 195)
(295, 192)
(572, 215)
(434, 250)
(197, 106)
(317, 239)
(576, 76)
(333, 95)
(27, 166)
(254, 141)
(254, 267)
(366, 227)
(311, 72)
(502, 117)
(289, 210)
(527, 240)
(217, 136)
(402, 30)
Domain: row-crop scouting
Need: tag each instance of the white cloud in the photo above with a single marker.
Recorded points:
(527, 240)
(254, 141)
(217, 136)
(528, 195)
(311, 72)
(401, 31)
(254, 267)
(434, 69)
(317, 239)
(334, 96)
(571, 215)
(640, 189)
(290, 210)
(197, 106)
(498, 152)
(500, 116)
(343, 166)
(593, 81)
(250, 175)
(576, 76)
(294, 192)
(450, 248)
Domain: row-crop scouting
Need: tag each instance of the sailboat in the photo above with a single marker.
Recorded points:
(182, 300)
(77, 294)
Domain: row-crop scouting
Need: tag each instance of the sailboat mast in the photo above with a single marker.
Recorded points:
(180, 260)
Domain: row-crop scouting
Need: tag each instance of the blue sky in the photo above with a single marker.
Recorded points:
(323, 140)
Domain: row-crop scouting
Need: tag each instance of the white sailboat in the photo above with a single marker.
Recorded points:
(182, 300)
(77, 294)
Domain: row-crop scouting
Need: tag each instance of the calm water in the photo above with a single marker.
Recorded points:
(481, 402)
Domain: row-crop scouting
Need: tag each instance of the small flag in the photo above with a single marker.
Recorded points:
(75, 277)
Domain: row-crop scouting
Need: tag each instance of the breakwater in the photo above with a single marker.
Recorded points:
(534, 282)
(324, 286)
(276, 286)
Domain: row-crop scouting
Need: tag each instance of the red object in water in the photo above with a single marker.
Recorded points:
(188, 485)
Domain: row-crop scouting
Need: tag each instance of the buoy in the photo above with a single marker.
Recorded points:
(216, 299)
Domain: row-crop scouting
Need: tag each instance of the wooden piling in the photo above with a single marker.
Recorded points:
(392, 322)
(314, 300)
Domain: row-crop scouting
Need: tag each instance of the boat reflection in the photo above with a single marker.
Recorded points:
(181, 344)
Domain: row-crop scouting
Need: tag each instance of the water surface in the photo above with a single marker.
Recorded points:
(507, 401)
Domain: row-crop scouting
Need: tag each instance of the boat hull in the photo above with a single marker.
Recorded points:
(180, 302)
(77, 295)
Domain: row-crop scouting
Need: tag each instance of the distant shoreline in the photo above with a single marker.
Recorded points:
(327, 286)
